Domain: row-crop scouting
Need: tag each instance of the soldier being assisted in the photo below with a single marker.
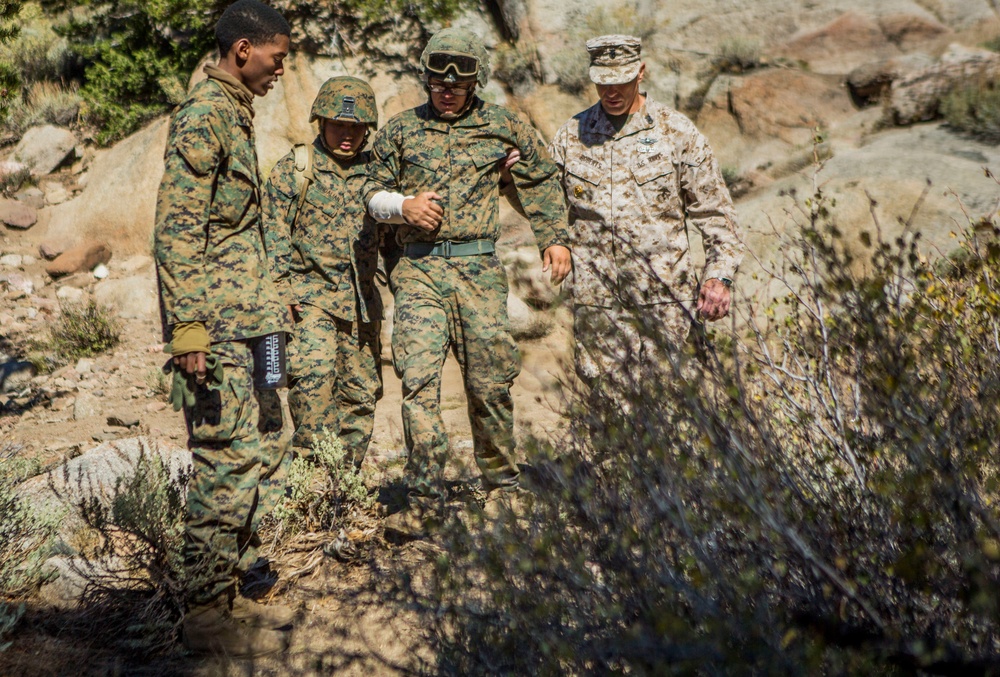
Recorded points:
(325, 249)
(436, 171)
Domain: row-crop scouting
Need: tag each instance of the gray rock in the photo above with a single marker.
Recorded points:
(94, 474)
(123, 421)
(70, 294)
(525, 322)
(55, 193)
(86, 406)
(31, 196)
(84, 366)
(50, 250)
(16, 214)
(11, 260)
(134, 297)
(43, 149)
(20, 283)
(15, 376)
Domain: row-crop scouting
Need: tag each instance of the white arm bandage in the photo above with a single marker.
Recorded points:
(387, 207)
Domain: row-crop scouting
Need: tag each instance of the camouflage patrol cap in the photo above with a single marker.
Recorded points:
(614, 59)
(458, 42)
(346, 98)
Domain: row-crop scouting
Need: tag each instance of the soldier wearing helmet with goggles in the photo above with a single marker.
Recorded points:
(436, 172)
(325, 248)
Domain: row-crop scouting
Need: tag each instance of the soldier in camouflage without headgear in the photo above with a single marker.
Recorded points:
(450, 288)
(216, 296)
(325, 249)
(635, 173)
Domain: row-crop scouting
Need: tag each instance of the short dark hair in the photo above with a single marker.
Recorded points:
(250, 19)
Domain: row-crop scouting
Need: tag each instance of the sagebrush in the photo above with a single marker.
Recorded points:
(86, 330)
(813, 495)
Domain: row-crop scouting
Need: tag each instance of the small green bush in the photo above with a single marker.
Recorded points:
(738, 54)
(973, 107)
(515, 65)
(82, 331)
(137, 578)
(322, 489)
(10, 79)
(46, 103)
(25, 536)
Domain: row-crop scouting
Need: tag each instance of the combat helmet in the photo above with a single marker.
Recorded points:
(455, 54)
(346, 98)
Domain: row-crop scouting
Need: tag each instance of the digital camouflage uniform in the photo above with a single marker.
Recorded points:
(460, 301)
(631, 193)
(327, 263)
(212, 268)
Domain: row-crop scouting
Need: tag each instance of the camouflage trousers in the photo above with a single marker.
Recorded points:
(336, 372)
(458, 303)
(238, 476)
(617, 348)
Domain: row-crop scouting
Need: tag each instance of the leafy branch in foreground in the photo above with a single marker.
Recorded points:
(815, 496)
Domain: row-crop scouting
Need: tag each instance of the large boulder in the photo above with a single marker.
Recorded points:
(842, 45)
(916, 97)
(45, 148)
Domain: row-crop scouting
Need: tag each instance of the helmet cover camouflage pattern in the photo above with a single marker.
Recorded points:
(460, 42)
(346, 98)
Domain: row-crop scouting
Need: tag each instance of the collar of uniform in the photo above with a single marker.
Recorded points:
(598, 122)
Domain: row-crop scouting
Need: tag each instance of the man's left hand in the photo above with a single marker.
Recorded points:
(713, 299)
(559, 260)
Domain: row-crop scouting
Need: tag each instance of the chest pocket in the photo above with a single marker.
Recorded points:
(485, 156)
(235, 193)
(418, 171)
(583, 177)
(654, 175)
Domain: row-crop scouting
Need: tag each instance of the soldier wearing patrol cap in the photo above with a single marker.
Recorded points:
(325, 249)
(450, 287)
(635, 174)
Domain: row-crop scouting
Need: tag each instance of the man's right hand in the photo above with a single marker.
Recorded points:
(422, 211)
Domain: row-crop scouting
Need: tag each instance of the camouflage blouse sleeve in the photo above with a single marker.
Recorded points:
(383, 169)
(537, 179)
(279, 207)
(183, 205)
(709, 207)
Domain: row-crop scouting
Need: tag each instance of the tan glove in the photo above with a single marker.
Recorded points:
(189, 337)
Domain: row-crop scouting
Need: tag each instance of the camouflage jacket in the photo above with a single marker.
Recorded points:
(208, 244)
(330, 258)
(416, 152)
(630, 195)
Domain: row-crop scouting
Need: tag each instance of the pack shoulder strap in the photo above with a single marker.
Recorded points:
(303, 174)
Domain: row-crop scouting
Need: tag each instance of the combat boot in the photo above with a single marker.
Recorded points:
(419, 519)
(265, 616)
(212, 629)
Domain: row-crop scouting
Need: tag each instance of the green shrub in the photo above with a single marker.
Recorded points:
(46, 103)
(322, 489)
(816, 496)
(10, 79)
(137, 577)
(82, 331)
(38, 53)
(571, 66)
(973, 107)
(738, 54)
(25, 536)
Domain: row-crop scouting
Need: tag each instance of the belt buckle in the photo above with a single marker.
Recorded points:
(447, 249)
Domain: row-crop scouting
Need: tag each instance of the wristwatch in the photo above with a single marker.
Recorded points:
(724, 280)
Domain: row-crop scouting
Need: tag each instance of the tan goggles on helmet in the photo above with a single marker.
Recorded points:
(462, 64)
